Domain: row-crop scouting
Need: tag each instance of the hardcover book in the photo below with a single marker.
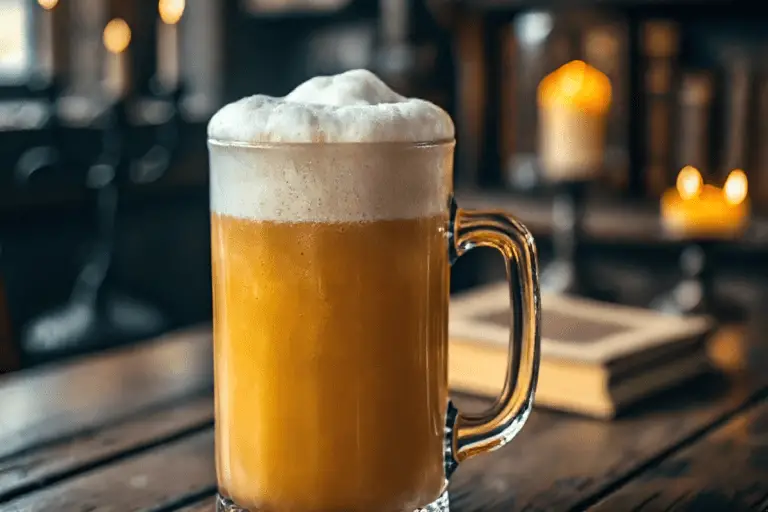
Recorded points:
(597, 358)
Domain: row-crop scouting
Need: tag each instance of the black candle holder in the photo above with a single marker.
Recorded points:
(43, 159)
(97, 312)
(694, 294)
(153, 164)
(568, 273)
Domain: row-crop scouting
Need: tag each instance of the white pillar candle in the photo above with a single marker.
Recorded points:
(117, 38)
(117, 75)
(573, 106)
(45, 40)
(168, 55)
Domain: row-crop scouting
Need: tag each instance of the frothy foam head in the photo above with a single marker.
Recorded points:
(350, 156)
(355, 106)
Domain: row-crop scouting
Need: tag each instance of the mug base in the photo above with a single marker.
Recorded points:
(439, 505)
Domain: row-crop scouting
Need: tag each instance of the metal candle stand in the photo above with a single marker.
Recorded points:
(96, 312)
(568, 273)
(694, 294)
(45, 157)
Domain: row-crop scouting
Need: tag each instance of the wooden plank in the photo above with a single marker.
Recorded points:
(178, 473)
(565, 462)
(55, 461)
(557, 462)
(159, 477)
(207, 505)
(725, 470)
(58, 401)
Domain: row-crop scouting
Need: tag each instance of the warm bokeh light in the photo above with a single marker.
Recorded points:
(48, 4)
(735, 189)
(576, 84)
(689, 182)
(696, 209)
(171, 10)
(117, 36)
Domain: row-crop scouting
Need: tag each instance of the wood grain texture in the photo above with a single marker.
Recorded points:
(558, 462)
(562, 462)
(58, 401)
(207, 505)
(725, 470)
(146, 476)
(157, 478)
(178, 473)
(35, 468)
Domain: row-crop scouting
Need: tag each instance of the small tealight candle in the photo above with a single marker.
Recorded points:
(573, 106)
(698, 210)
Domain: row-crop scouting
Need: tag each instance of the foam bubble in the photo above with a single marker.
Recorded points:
(366, 176)
(355, 106)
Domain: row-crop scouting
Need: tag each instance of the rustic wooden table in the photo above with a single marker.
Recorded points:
(132, 430)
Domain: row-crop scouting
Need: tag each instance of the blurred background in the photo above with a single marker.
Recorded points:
(104, 232)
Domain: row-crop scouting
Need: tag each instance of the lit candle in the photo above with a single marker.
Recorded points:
(573, 107)
(168, 42)
(117, 37)
(696, 209)
(45, 38)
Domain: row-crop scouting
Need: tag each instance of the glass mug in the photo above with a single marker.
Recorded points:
(330, 293)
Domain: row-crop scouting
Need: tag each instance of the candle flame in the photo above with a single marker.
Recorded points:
(48, 5)
(689, 182)
(576, 84)
(171, 10)
(117, 36)
(735, 189)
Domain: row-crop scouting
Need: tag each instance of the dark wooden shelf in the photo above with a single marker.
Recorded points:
(491, 5)
(605, 221)
(188, 174)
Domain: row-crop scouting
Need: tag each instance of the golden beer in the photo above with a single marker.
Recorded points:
(330, 362)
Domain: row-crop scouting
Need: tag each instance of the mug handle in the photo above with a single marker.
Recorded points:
(472, 434)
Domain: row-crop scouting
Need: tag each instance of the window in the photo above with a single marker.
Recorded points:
(16, 47)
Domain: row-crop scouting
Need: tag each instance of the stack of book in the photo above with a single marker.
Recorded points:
(597, 358)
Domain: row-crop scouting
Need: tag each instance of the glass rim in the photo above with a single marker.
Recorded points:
(277, 145)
